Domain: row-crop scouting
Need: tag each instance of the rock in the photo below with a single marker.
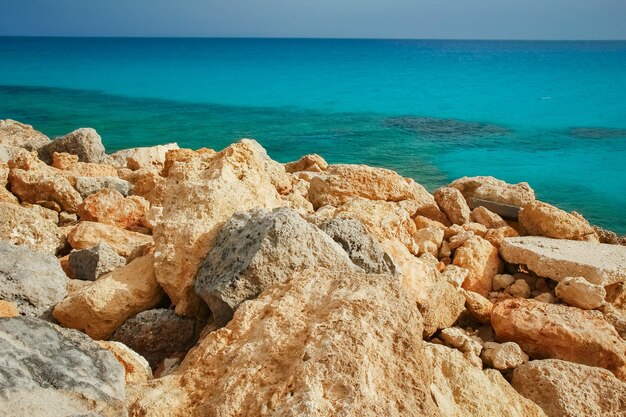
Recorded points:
(102, 307)
(148, 184)
(546, 297)
(555, 331)
(429, 240)
(309, 163)
(497, 236)
(487, 218)
(503, 356)
(50, 371)
(50, 215)
(578, 292)
(607, 236)
(462, 390)
(259, 248)
(598, 263)
(519, 289)
(292, 351)
(194, 209)
(298, 198)
(452, 203)
(459, 239)
(460, 340)
(136, 368)
(25, 227)
(37, 187)
(89, 264)
(67, 162)
(182, 155)
(16, 134)
(502, 281)
(542, 219)
(478, 306)
(455, 275)
(158, 334)
(34, 281)
(341, 183)
(481, 259)
(565, 389)
(493, 189)
(111, 207)
(152, 157)
(359, 245)
(87, 186)
(8, 309)
(84, 143)
(86, 235)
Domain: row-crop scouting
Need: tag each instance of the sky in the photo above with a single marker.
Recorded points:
(423, 19)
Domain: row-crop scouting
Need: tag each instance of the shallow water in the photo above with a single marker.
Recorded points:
(550, 113)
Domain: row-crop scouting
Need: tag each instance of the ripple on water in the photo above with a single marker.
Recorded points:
(597, 132)
(437, 128)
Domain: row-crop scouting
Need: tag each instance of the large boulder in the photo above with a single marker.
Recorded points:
(91, 185)
(111, 207)
(22, 226)
(560, 332)
(452, 203)
(152, 157)
(84, 143)
(566, 389)
(86, 235)
(259, 248)
(100, 308)
(20, 135)
(40, 188)
(201, 195)
(34, 281)
(481, 259)
(493, 189)
(542, 219)
(51, 371)
(322, 343)
(90, 264)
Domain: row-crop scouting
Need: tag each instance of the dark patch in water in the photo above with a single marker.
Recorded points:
(431, 127)
(597, 132)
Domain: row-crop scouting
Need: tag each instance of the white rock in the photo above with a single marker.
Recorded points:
(578, 292)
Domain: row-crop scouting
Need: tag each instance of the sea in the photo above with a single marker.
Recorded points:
(552, 114)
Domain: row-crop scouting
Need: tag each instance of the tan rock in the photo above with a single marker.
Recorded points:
(455, 275)
(147, 184)
(152, 158)
(74, 285)
(8, 309)
(459, 239)
(452, 203)
(478, 306)
(519, 289)
(556, 331)
(565, 389)
(46, 213)
(476, 228)
(136, 367)
(86, 235)
(546, 297)
(422, 222)
(298, 198)
(542, 219)
(487, 218)
(25, 227)
(111, 207)
(493, 189)
(497, 236)
(578, 292)
(503, 356)
(68, 162)
(430, 211)
(429, 240)
(16, 134)
(460, 340)
(292, 351)
(481, 259)
(182, 155)
(103, 306)
(310, 163)
(36, 187)
(502, 281)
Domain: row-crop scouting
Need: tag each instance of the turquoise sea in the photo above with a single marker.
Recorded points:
(550, 113)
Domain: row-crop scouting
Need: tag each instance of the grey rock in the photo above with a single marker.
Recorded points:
(158, 334)
(364, 251)
(84, 142)
(91, 185)
(258, 248)
(34, 281)
(89, 264)
(46, 370)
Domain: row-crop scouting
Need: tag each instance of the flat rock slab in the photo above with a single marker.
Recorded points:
(598, 263)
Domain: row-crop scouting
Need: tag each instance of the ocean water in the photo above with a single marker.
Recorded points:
(549, 113)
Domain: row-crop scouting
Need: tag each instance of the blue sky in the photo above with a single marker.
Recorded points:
(441, 19)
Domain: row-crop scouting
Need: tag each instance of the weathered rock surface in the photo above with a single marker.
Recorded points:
(566, 389)
(111, 207)
(487, 218)
(102, 307)
(158, 334)
(359, 245)
(309, 163)
(147, 184)
(478, 306)
(91, 185)
(51, 371)
(292, 352)
(152, 157)
(89, 264)
(25, 227)
(493, 189)
(34, 281)
(37, 187)
(452, 203)
(578, 292)
(136, 368)
(429, 240)
(503, 356)
(462, 390)
(71, 166)
(598, 263)
(481, 259)
(542, 219)
(84, 143)
(8, 309)
(86, 235)
(559, 332)
(259, 248)
(16, 134)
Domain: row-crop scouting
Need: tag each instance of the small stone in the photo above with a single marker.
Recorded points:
(578, 292)
(429, 240)
(503, 356)
(460, 340)
(152, 157)
(542, 219)
(310, 163)
(478, 306)
(16, 134)
(452, 203)
(487, 218)
(546, 297)
(38, 187)
(502, 281)
(459, 239)
(519, 289)
(90, 264)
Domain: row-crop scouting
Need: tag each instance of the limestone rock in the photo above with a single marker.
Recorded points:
(16, 134)
(182, 155)
(158, 334)
(462, 390)
(91, 185)
(152, 157)
(51, 371)
(607, 236)
(565, 389)
(481, 259)
(493, 189)
(455, 275)
(25, 227)
(310, 163)
(148, 184)
(359, 245)
(578, 292)
(111, 207)
(502, 281)
(452, 203)
(84, 143)
(478, 306)
(136, 368)
(293, 352)
(102, 307)
(503, 356)
(36, 187)
(460, 340)
(598, 263)
(520, 289)
(258, 248)
(487, 218)
(68, 162)
(86, 235)
(8, 309)
(89, 264)
(497, 236)
(201, 195)
(429, 240)
(556, 331)
(542, 219)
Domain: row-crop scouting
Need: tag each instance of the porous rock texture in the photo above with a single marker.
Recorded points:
(578, 292)
(136, 368)
(566, 389)
(36, 187)
(111, 207)
(91, 185)
(493, 189)
(452, 203)
(152, 157)
(51, 371)
(542, 219)
(22, 226)
(481, 259)
(33, 280)
(86, 235)
(309, 163)
(84, 143)
(20, 135)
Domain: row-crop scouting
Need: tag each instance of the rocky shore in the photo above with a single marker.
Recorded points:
(163, 281)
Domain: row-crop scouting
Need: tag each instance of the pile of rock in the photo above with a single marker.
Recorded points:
(172, 282)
